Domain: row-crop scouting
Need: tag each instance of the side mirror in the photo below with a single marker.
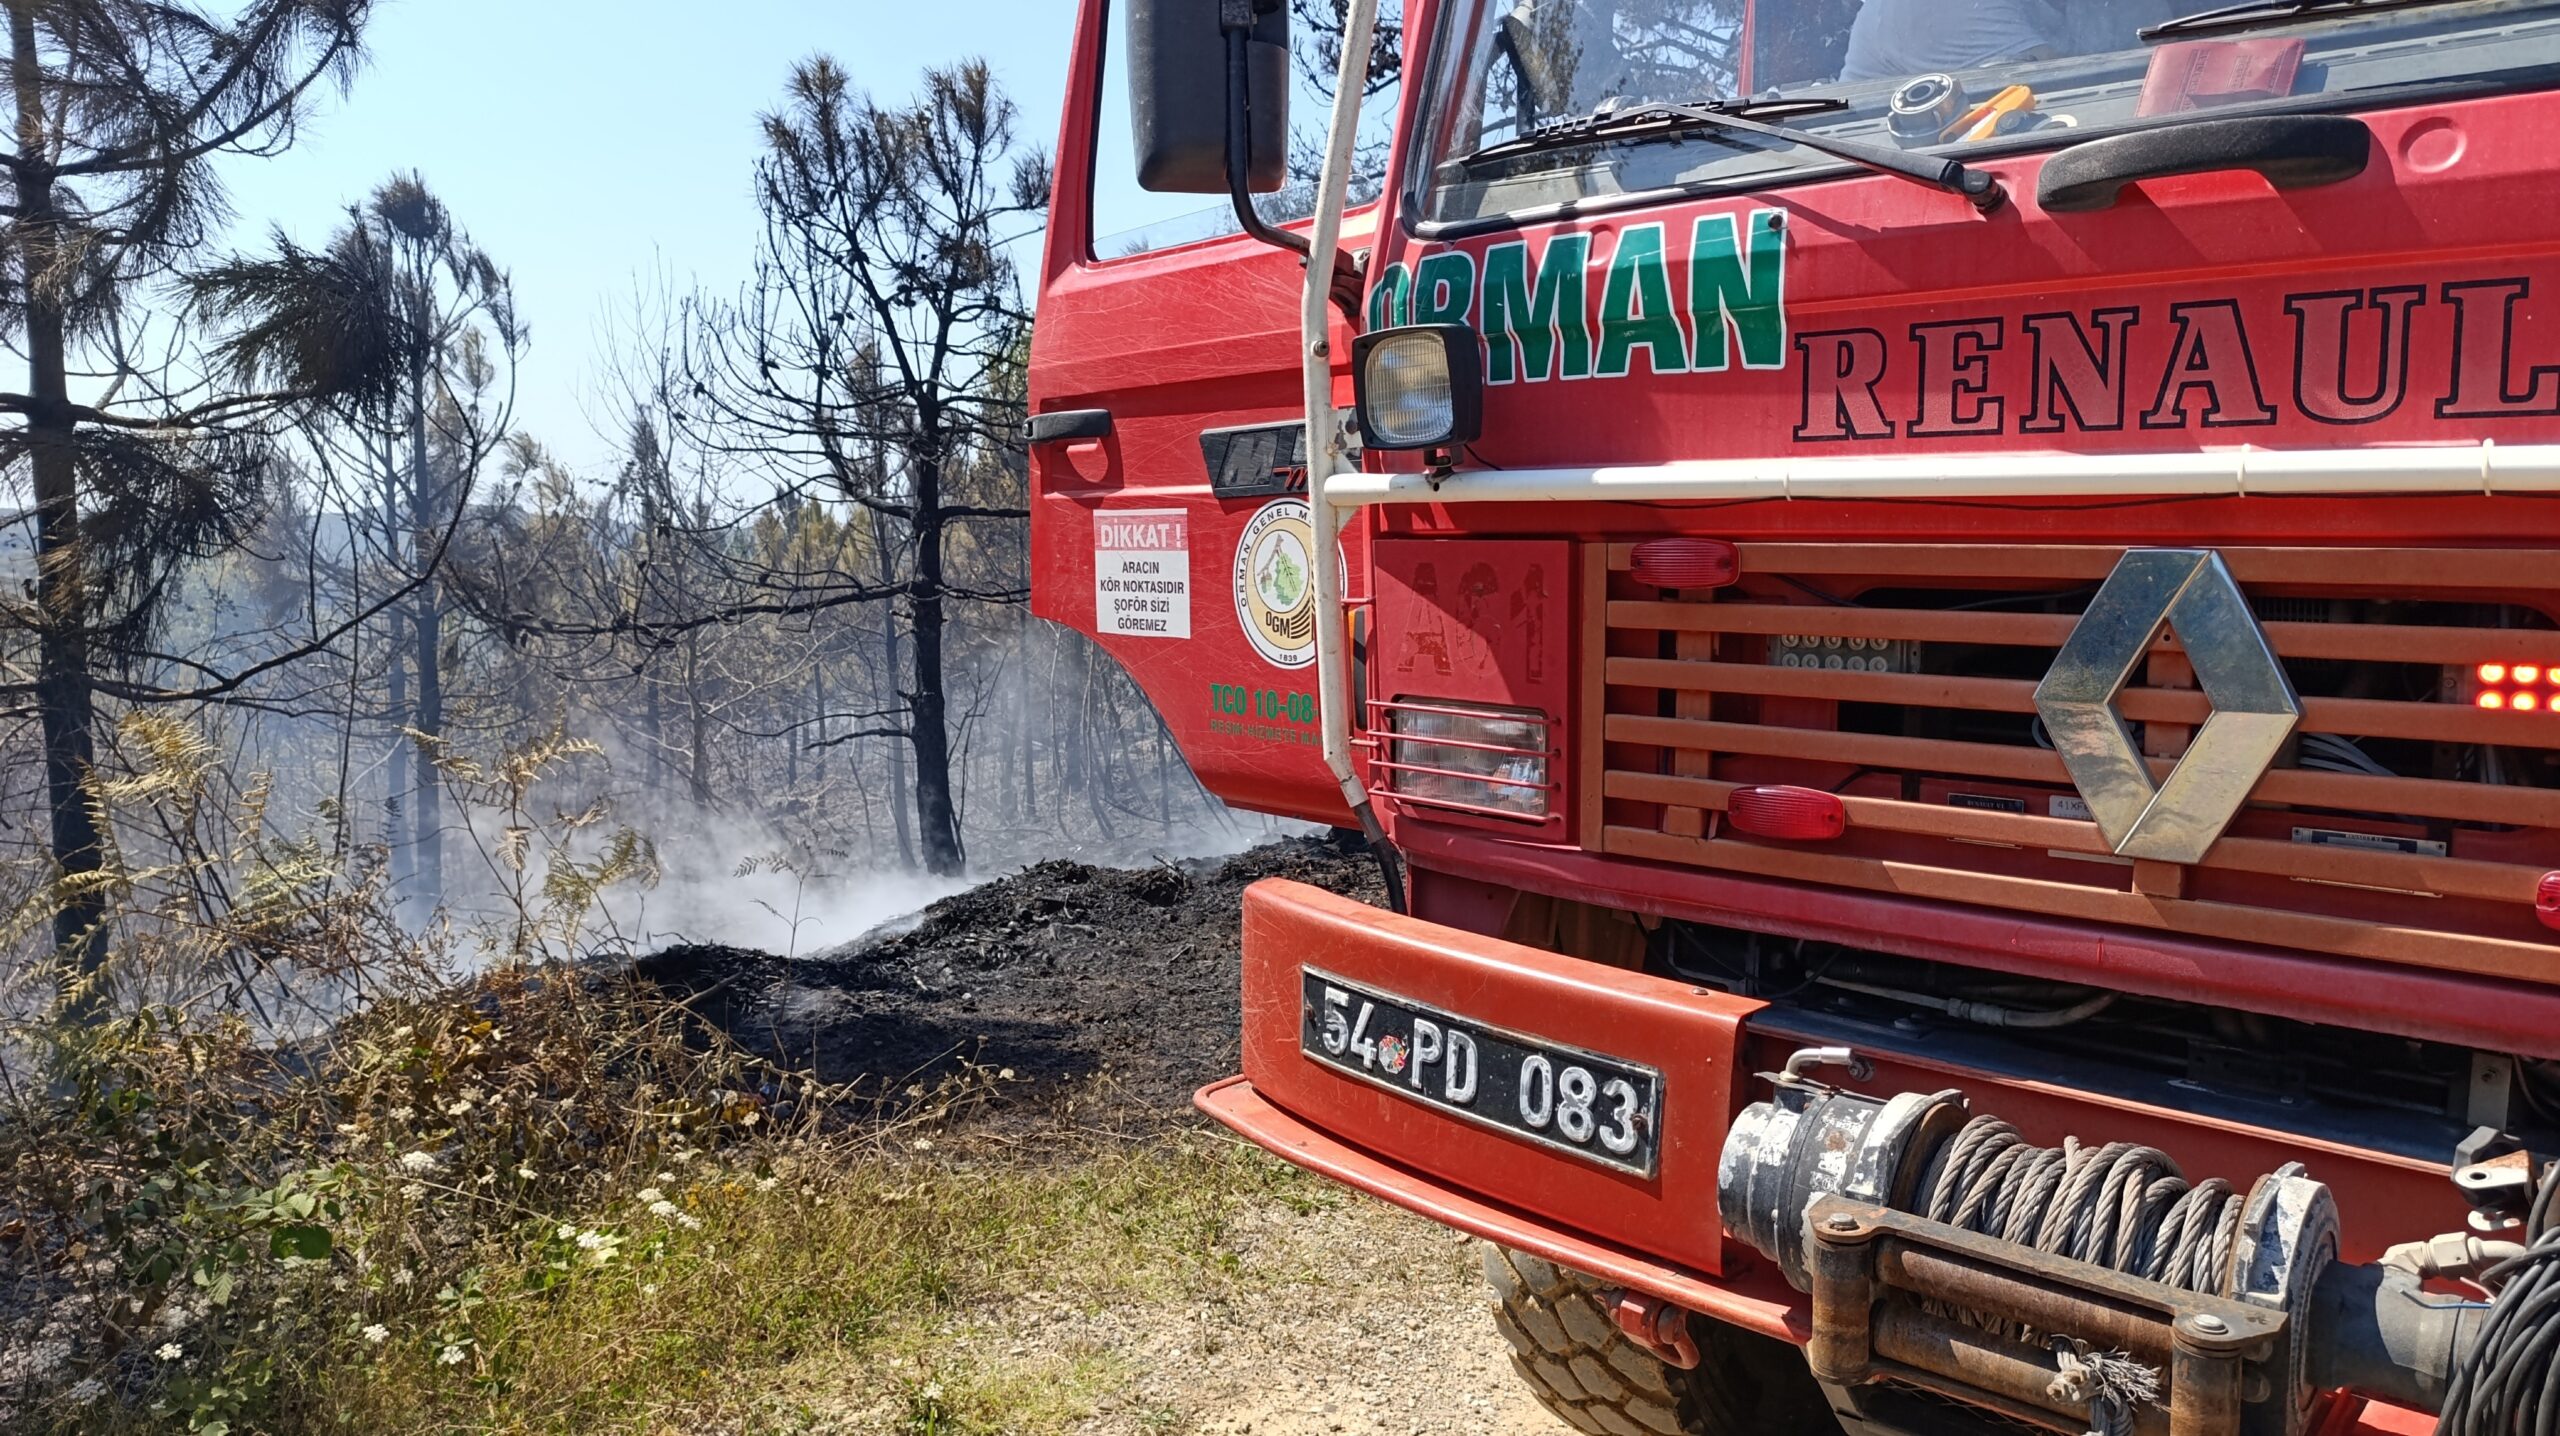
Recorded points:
(1178, 94)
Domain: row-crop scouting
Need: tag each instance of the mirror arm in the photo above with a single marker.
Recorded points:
(1236, 18)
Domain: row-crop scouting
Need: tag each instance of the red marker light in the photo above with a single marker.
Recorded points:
(2546, 900)
(2492, 698)
(2493, 673)
(2525, 702)
(1686, 563)
(2527, 673)
(1795, 814)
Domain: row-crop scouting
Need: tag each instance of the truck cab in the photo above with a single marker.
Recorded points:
(1947, 618)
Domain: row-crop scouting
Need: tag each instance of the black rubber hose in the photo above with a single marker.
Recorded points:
(2509, 1385)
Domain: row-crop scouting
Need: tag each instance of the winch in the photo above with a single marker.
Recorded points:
(2079, 1288)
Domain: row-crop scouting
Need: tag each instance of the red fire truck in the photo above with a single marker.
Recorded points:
(1945, 616)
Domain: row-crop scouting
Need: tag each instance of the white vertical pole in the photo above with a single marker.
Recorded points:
(1324, 437)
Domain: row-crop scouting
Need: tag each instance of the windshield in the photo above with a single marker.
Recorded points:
(1961, 77)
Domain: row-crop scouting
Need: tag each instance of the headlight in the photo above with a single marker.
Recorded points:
(1419, 387)
(1468, 757)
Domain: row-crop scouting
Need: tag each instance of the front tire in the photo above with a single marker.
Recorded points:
(1599, 1381)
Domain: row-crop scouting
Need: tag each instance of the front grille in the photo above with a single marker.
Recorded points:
(1952, 795)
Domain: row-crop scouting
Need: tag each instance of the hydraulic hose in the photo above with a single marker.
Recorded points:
(2509, 1383)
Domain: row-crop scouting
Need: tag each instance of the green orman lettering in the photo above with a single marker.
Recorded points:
(1635, 308)
(1743, 297)
(1391, 300)
(1444, 288)
(1525, 319)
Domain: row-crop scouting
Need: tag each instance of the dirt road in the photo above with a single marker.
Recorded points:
(1377, 1325)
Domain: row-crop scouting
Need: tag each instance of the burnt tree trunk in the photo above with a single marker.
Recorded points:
(928, 733)
(893, 668)
(426, 633)
(65, 693)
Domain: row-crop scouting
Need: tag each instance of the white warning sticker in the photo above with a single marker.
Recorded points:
(1142, 572)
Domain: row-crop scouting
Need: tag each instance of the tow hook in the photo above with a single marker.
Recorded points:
(1657, 1326)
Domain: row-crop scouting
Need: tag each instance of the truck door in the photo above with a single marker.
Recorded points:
(1156, 356)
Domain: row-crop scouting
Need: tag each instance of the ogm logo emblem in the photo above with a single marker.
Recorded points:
(2190, 592)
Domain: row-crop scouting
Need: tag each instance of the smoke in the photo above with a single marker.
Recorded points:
(744, 884)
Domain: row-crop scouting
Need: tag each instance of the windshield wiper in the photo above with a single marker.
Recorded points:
(1616, 120)
(2258, 14)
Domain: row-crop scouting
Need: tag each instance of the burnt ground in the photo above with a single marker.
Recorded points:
(1058, 972)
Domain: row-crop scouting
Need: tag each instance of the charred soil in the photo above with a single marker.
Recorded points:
(1058, 973)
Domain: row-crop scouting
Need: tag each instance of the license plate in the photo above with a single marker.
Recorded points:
(1605, 1110)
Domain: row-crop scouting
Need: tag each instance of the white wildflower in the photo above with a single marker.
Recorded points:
(689, 1221)
(170, 1351)
(418, 1161)
(662, 1208)
(349, 1129)
(924, 1144)
(591, 1241)
(377, 1333)
(565, 1232)
(685, 1157)
(648, 1288)
(85, 1391)
(665, 1179)
(450, 1356)
(400, 1114)
(526, 1171)
(766, 1184)
(932, 1391)
(647, 1195)
(458, 1109)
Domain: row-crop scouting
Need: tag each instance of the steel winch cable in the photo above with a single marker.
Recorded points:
(2121, 1206)
(2509, 1384)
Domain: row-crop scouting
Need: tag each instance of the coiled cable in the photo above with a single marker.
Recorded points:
(2122, 1206)
(2509, 1384)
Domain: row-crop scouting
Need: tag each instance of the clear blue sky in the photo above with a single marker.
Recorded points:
(583, 142)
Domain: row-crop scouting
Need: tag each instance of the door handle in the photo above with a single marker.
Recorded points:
(1064, 424)
(2292, 151)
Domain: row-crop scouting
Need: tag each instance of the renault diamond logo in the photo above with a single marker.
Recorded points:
(2254, 708)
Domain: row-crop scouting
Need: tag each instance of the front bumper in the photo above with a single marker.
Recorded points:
(1659, 1236)
(1692, 1036)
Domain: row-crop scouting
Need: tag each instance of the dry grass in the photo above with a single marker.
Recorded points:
(529, 1206)
(546, 1200)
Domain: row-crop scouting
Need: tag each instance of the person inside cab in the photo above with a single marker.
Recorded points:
(1896, 39)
